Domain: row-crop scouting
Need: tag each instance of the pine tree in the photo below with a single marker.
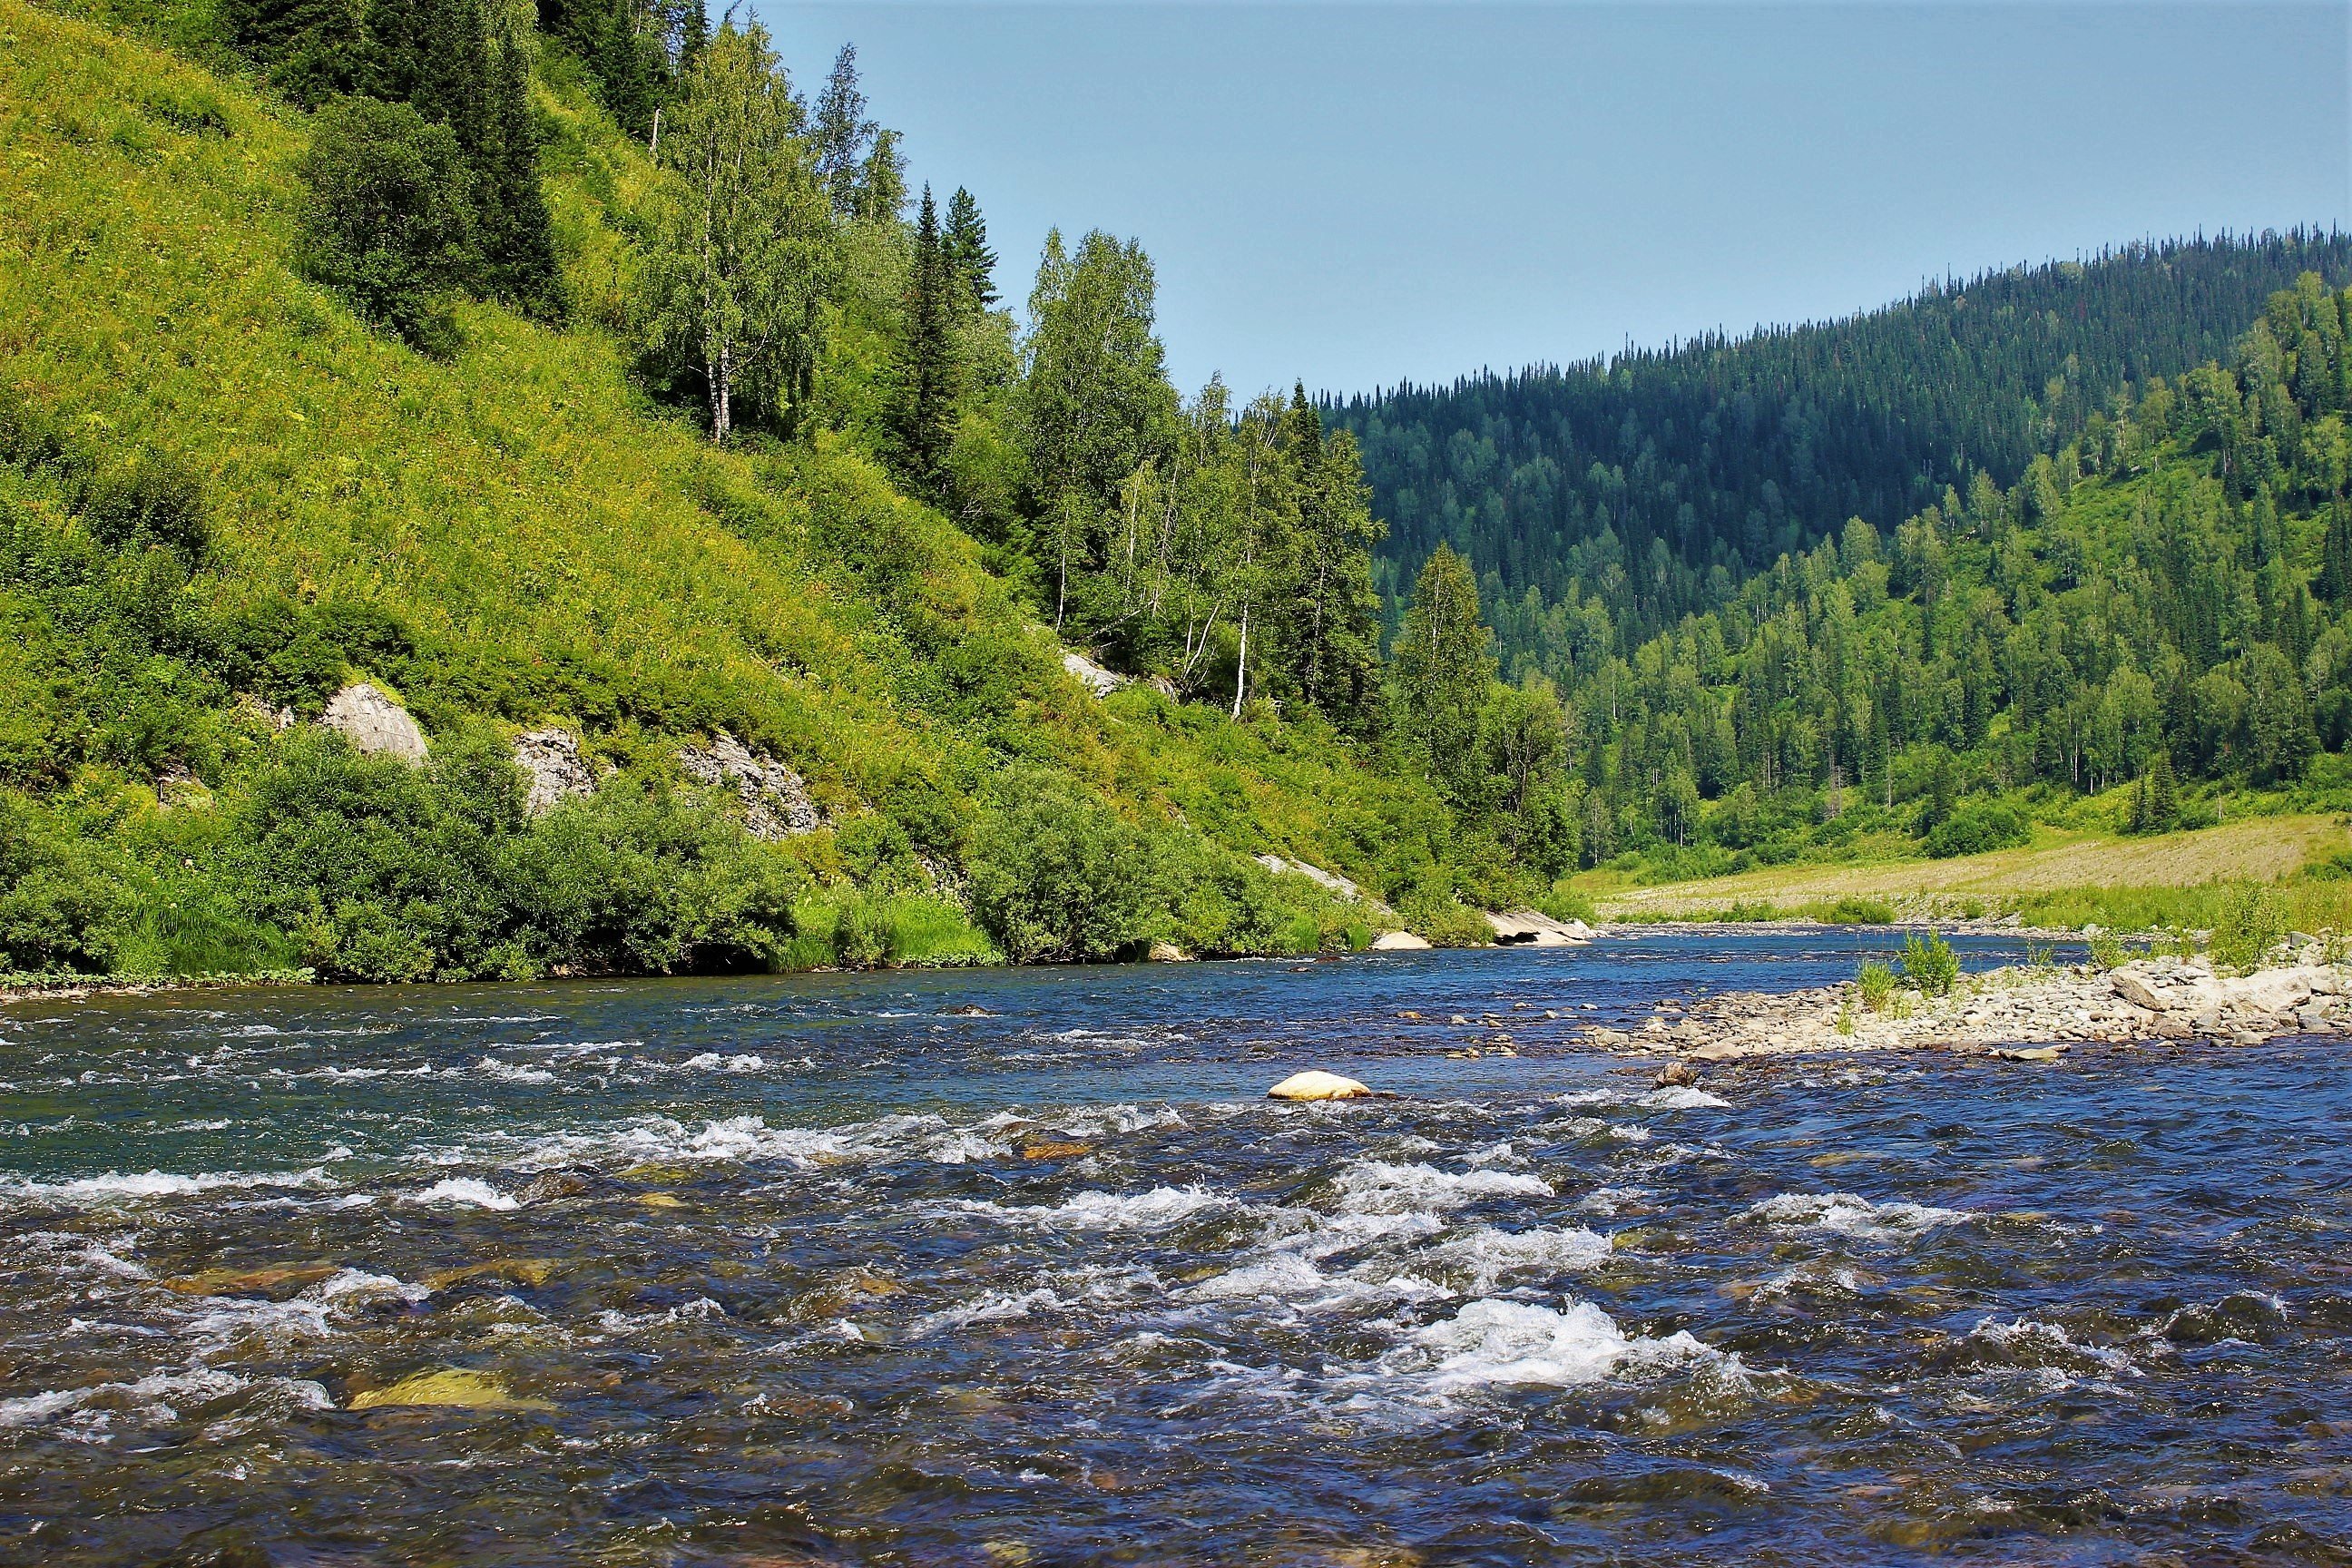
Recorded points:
(927, 373)
(842, 133)
(968, 252)
(312, 50)
(2163, 796)
(693, 38)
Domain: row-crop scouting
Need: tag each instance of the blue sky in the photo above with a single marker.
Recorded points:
(1356, 193)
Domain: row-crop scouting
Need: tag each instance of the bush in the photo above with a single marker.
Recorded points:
(1876, 984)
(1057, 876)
(386, 221)
(1976, 827)
(1930, 962)
(1853, 911)
(2248, 925)
(2107, 952)
(61, 908)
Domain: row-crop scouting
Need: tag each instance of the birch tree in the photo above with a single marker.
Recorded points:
(741, 256)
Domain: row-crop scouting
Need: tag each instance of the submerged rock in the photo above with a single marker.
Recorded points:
(375, 725)
(453, 1387)
(277, 1283)
(1317, 1085)
(503, 1271)
(776, 802)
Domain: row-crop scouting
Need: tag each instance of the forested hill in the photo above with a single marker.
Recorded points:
(1656, 481)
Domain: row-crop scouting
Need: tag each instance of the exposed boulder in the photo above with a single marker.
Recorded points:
(776, 804)
(1093, 677)
(1317, 1085)
(1400, 941)
(375, 725)
(1168, 953)
(1528, 928)
(552, 758)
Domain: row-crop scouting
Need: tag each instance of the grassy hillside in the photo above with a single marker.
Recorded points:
(515, 537)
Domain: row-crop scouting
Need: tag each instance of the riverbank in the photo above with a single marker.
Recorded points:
(2036, 1008)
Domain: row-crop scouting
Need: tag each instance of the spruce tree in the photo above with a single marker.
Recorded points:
(312, 50)
(620, 67)
(842, 133)
(518, 239)
(2163, 796)
(2335, 583)
(969, 255)
(927, 372)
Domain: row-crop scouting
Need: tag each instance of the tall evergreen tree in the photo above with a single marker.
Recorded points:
(968, 252)
(2335, 581)
(927, 373)
(841, 134)
(311, 49)
(1444, 663)
(881, 194)
(511, 221)
(624, 69)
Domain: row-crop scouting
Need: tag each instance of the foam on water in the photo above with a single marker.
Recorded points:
(1377, 1186)
(1155, 1210)
(1851, 1214)
(1489, 1343)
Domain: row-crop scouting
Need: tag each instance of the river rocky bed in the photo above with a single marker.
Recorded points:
(1023, 1267)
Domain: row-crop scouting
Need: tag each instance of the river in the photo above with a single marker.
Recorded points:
(1019, 1266)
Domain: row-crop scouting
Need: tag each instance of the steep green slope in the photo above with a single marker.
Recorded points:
(516, 537)
(1653, 485)
(2148, 627)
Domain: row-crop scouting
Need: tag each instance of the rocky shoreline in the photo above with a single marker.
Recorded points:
(2033, 1012)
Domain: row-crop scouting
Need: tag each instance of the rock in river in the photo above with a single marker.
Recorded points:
(1317, 1085)
(454, 1386)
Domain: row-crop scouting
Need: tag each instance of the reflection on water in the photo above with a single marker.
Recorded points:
(824, 1270)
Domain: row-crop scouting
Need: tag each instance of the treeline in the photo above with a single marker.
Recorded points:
(2160, 599)
(1658, 482)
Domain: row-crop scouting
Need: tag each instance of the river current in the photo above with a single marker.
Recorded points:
(1020, 1266)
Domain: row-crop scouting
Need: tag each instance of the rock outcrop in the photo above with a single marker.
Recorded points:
(373, 722)
(1317, 1085)
(1330, 881)
(1093, 677)
(1528, 928)
(552, 758)
(776, 802)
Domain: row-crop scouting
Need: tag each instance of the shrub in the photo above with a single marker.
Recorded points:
(2107, 952)
(386, 220)
(1930, 962)
(1057, 875)
(1856, 911)
(1976, 827)
(1876, 984)
(59, 907)
(2248, 926)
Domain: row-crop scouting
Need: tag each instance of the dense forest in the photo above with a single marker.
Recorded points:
(1658, 482)
(2157, 603)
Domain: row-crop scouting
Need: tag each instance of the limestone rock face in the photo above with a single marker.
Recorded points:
(776, 804)
(1093, 677)
(1399, 942)
(373, 722)
(1317, 1085)
(552, 758)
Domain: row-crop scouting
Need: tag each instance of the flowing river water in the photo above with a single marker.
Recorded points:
(835, 1270)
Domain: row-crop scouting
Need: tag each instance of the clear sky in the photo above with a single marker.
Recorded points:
(1356, 193)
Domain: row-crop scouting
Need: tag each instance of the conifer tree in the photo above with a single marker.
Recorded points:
(881, 194)
(968, 252)
(2335, 581)
(516, 234)
(927, 373)
(842, 133)
(621, 69)
(1445, 663)
(312, 50)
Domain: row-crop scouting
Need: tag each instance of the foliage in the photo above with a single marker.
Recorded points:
(2107, 952)
(1856, 911)
(387, 219)
(2250, 922)
(1930, 962)
(1875, 984)
(1977, 828)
